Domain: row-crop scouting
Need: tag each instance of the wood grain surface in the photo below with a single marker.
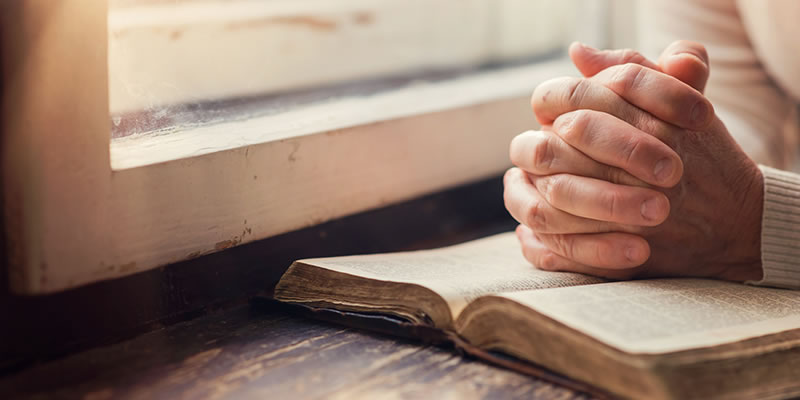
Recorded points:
(257, 352)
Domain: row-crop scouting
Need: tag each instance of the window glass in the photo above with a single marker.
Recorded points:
(175, 64)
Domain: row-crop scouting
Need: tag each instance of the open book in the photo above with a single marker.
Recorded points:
(663, 338)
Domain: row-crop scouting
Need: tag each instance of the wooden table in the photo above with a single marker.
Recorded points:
(266, 352)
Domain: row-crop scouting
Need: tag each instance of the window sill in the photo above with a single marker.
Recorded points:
(72, 219)
(442, 97)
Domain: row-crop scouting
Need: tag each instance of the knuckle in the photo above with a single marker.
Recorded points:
(566, 246)
(546, 186)
(558, 188)
(581, 120)
(543, 154)
(574, 125)
(547, 260)
(535, 217)
(628, 77)
(576, 92)
(631, 56)
(629, 148)
(610, 200)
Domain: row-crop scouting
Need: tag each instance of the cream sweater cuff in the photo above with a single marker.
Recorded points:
(780, 229)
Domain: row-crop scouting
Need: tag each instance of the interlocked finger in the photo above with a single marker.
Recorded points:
(603, 201)
(529, 208)
(545, 153)
(538, 254)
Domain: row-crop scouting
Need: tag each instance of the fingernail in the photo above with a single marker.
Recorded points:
(700, 113)
(663, 169)
(687, 54)
(633, 254)
(650, 209)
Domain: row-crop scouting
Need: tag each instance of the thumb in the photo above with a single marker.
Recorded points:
(687, 61)
(590, 61)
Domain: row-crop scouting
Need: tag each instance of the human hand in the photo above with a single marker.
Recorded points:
(636, 177)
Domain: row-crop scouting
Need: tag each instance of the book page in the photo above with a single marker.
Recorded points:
(665, 315)
(458, 273)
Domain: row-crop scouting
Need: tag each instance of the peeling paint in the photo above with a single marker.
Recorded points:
(194, 254)
(293, 154)
(131, 266)
(226, 244)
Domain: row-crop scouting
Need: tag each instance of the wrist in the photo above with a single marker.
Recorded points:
(746, 263)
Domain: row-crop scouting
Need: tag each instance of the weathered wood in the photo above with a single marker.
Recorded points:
(266, 353)
(73, 219)
(426, 105)
(111, 311)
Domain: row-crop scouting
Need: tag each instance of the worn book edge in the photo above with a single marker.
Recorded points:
(405, 329)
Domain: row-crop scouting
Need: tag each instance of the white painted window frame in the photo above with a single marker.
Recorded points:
(72, 219)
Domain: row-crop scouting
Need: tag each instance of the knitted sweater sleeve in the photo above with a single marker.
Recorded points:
(780, 229)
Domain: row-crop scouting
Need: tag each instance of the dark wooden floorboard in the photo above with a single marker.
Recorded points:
(255, 353)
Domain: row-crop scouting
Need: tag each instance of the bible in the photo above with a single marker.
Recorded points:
(657, 338)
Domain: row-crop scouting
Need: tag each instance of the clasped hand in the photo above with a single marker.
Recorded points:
(633, 175)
